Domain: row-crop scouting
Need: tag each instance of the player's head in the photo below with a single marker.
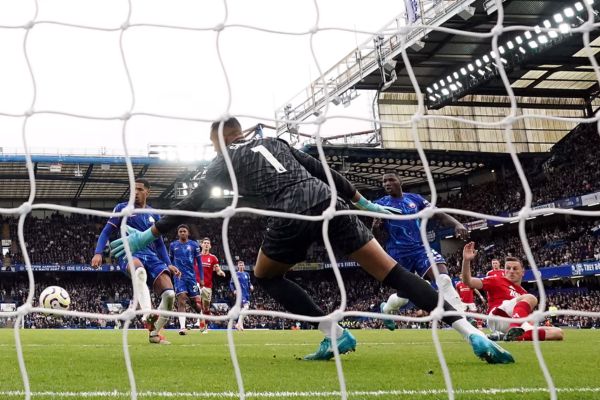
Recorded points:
(513, 269)
(392, 183)
(205, 244)
(142, 189)
(495, 264)
(183, 232)
(241, 266)
(232, 130)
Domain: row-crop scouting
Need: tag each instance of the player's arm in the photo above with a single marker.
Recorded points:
(469, 254)
(345, 189)
(108, 230)
(218, 269)
(478, 293)
(232, 285)
(448, 220)
(198, 257)
(171, 251)
(163, 255)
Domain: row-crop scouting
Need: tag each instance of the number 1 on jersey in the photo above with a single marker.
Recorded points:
(269, 157)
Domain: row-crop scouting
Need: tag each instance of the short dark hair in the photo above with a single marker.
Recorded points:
(391, 172)
(205, 238)
(514, 259)
(143, 182)
(184, 226)
(231, 122)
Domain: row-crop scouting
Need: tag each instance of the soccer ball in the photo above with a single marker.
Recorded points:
(55, 297)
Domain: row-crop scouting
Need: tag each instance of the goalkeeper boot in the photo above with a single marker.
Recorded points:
(346, 343)
(489, 351)
(388, 323)
(323, 352)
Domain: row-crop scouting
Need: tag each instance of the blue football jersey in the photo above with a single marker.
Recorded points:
(141, 222)
(404, 236)
(245, 284)
(182, 255)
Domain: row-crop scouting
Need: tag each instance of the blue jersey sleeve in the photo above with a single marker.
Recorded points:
(231, 285)
(198, 256)
(421, 202)
(161, 251)
(116, 221)
(171, 253)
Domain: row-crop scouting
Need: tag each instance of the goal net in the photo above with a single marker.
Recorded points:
(112, 104)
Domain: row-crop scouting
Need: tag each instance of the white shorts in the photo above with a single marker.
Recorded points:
(206, 294)
(471, 307)
(503, 310)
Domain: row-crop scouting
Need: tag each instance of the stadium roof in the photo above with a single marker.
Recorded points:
(365, 166)
(561, 70)
(75, 178)
(557, 69)
(72, 178)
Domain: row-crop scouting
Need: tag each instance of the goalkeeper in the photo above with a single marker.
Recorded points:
(290, 181)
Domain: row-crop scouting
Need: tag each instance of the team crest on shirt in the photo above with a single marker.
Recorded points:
(151, 219)
(412, 205)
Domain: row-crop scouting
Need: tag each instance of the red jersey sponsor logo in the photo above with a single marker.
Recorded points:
(209, 262)
(498, 289)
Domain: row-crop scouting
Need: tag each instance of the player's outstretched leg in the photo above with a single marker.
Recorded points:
(372, 258)
(391, 306)
(524, 306)
(182, 300)
(166, 304)
(269, 275)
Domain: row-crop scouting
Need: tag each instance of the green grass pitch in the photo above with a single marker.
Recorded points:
(402, 364)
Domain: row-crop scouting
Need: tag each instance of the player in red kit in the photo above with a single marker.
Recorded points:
(467, 296)
(506, 298)
(210, 264)
(496, 270)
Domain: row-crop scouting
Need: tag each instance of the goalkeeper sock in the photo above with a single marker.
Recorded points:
(417, 290)
(166, 304)
(447, 290)
(139, 284)
(463, 327)
(325, 327)
(291, 296)
(394, 303)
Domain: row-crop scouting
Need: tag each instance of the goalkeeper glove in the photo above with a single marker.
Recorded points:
(366, 205)
(137, 241)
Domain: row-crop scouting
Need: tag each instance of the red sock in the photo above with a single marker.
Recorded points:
(528, 336)
(522, 309)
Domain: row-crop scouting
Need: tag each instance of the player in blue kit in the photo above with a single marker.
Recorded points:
(405, 246)
(246, 286)
(185, 254)
(153, 261)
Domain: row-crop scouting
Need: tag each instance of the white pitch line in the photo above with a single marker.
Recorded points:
(232, 395)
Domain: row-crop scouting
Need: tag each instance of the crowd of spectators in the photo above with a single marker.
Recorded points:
(573, 169)
(93, 292)
(57, 239)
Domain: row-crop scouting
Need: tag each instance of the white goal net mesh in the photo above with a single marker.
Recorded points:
(131, 112)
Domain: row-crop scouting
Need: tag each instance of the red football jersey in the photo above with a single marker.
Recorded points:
(209, 261)
(465, 293)
(495, 272)
(498, 289)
